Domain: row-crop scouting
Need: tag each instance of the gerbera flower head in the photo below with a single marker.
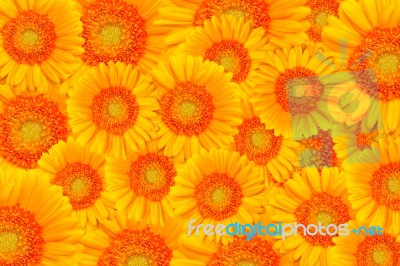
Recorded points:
(38, 47)
(80, 173)
(218, 187)
(199, 106)
(318, 18)
(289, 91)
(122, 241)
(378, 202)
(111, 108)
(36, 226)
(311, 198)
(242, 252)
(280, 27)
(140, 184)
(122, 30)
(231, 42)
(275, 155)
(369, 43)
(366, 250)
(29, 125)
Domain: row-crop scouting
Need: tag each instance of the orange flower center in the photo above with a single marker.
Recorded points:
(152, 176)
(378, 250)
(29, 38)
(21, 241)
(298, 91)
(318, 151)
(385, 185)
(325, 209)
(218, 196)
(115, 110)
(114, 31)
(256, 10)
(318, 18)
(384, 47)
(256, 252)
(29, 126)
(232, 56)
(364, 140)
(258, 143)
(136, 247)
(187, 109)
(81, 184)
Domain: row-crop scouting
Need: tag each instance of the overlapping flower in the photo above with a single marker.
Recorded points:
(121, 121)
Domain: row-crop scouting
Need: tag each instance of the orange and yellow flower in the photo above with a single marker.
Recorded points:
(29, 125)
(112, 108)
(38, 47)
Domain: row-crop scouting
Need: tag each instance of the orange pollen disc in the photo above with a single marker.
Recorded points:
(364, 140)
(21, 241)
(379, 51)
(318, 18)
(318, 151)
(325, 209)
(29, 38)
(29, 126)
(114, 31)
(256, 252)
(254, 10)
(152, 176)
(232, 56)
(385, 185)
(81, 184)
(378, 250)
(136, 247)
(115, 110)
(258, 143)
(187, 109)
(298, 90)
(218, 196)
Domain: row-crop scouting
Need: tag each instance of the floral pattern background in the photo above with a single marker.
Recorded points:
(123, 120)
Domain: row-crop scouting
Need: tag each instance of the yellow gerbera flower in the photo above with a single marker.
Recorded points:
(38, 47)
(218, 187)
(201, 252)
(374, 188)
(311, 198)
(140, 184)
(280, 27)
(36, 226)
(318, 18)
(365, 250)
(29, 125)
(126, 242)
(232, 43)
(80, 173)
(367, 36)
(289, 91)
(199, 106)
(275, 155)
(111, 108)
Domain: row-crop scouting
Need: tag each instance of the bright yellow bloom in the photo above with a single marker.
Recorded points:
(199, 106)
(140, 184)
(218, 187)
(111, 108)
(38, 47)
(232, 43)
(311, 198)
(30, 125)
(36, 223)
(80, 173)
(367, 36)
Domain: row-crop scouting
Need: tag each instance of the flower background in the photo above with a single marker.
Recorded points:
(122, 120)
